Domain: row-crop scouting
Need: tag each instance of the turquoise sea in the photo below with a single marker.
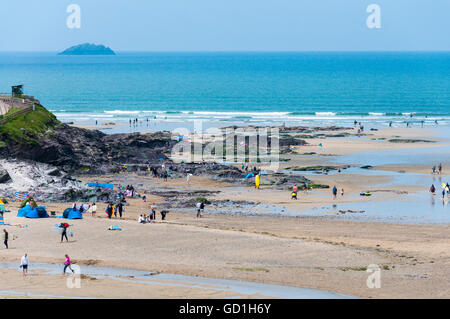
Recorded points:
(296, 88)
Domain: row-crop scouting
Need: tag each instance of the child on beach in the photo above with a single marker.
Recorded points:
(24, 264)
(294, 195)
(93, 209)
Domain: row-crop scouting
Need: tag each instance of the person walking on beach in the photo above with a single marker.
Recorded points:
(199, 205)
(24, 264)
(440, 168)
(67, 265)
(64, 227)
(109, 210)
(120, 209)
(93, 209)
(295, 188)
(5, 238)
(334, 192)
(152, 215)
(434, 169)
(432, 189)
(342, 192)
(202, 208)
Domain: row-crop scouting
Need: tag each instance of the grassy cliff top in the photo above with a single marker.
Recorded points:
(28, 128)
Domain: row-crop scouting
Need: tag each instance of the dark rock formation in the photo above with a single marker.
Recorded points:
(4, 176)
(80, 150)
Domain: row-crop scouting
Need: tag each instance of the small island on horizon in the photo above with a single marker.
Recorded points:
(88, 49)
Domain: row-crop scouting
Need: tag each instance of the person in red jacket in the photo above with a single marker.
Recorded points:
(64, 226)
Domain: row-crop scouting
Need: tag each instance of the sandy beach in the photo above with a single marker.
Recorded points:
(291, 246)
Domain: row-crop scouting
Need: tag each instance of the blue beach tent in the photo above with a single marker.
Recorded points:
(71, 213)
(30, 212)
(24, 211)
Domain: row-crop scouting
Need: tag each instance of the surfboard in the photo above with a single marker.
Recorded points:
(59, 230)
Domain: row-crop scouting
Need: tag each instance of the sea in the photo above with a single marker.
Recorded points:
(173, 90)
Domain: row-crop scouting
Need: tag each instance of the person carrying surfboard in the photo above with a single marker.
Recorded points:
(64, 227)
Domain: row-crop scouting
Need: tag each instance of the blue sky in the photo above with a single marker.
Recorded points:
(226, 25)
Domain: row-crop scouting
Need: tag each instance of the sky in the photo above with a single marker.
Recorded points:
(227, 25)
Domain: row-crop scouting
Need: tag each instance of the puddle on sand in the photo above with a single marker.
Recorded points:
(145, 277)
(418, 208)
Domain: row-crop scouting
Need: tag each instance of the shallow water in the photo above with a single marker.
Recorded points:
(418, 208)
(145, 277)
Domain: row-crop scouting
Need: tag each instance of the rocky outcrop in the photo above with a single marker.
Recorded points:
(40, 182)
(80, 150)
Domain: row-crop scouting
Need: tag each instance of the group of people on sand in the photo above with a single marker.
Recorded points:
(162, 173)
(305, 188)
(151, 218)
(335, 191)
(445, 189)
(25, 262)
(439, 169)
(116, 209)
(88, 208)
(254, 170)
